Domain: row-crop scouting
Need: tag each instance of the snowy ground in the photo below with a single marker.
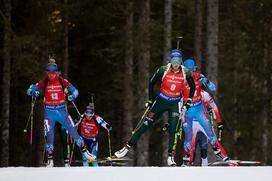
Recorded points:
(136, 174)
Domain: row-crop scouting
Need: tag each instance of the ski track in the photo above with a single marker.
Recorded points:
(136, 173)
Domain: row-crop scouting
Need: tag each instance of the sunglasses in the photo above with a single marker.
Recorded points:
(89, 112)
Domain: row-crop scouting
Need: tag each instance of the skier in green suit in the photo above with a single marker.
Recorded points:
(173, 77)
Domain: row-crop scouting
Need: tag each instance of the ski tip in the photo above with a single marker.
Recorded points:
(235, 163)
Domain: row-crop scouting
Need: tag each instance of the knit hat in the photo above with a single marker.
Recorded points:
(190, 64)
(176, 56)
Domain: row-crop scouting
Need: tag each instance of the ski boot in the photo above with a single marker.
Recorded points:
(50, 161)
(219, 155)
(123, 152)
(170, 160)
(66, 163)
(204, 162)
(186, 161)
(88, 155)
(85, 163)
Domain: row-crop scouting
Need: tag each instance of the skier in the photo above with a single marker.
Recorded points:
(199, 136)
(173, 78)
(54, 89)
(197, 112)
(88, 126)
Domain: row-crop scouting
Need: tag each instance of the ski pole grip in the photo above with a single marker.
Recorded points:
(220, 135)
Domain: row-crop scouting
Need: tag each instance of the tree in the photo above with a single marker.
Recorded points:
(128, 75)
(167, 47)
(143, 75)
(66, 40)
(167, 29)
(5, 116)
(212, 40)
(266, 85)
(198, 33)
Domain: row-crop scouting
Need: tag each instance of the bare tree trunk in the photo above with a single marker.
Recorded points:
(167, 47)
(66, 41)
(212, 40)
(269, 86)
(212, 49)
(143, 76)
(265, 113)
(167, 29)
(128, 76)
(5, 116)
(198, 33)
(266, 94)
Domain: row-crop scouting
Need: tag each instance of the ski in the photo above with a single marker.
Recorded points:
(100, 162)
(111, 159)
(107, 161)
(235, 163)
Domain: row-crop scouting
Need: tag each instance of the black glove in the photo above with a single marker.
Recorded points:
(220, 126)
(109, 128)
(148, 103)
(187, 105)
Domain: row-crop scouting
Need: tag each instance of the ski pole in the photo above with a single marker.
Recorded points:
(141, 120)
(140, 123)
(66, 92)
(30, 114)
(109, 139)
(220, 135)
(31, 129)
(72, 153)
(211, 119)
(212, 125)
(30, 119)
(73, 147)
(31, 125)
(76, 108)
(178, 133)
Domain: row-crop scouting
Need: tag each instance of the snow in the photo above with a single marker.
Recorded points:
(136, 174)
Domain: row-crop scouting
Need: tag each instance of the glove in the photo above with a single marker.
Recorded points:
(71, 98)
(220, 126)
(32, 92)
(148, 103)
(203, 80)
(35, 94)
(109, 128)
(66, 91)
(211, 86)
(29, 90)
(187, 105)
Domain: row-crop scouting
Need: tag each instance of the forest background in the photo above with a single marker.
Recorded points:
(112, 47)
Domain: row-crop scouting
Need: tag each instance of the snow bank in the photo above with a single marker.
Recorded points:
(136, 174)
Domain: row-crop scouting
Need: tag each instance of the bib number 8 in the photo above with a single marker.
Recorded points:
(173, 87)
